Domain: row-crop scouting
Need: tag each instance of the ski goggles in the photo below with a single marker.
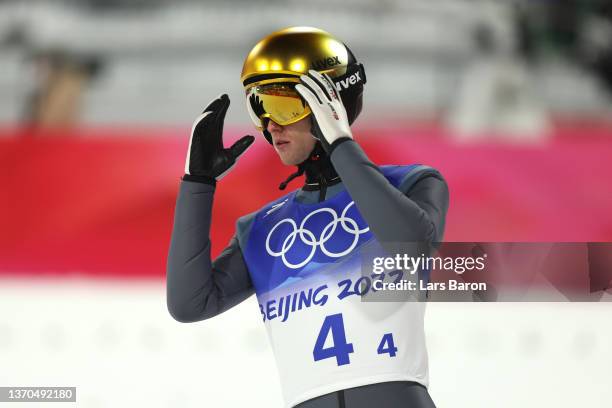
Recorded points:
(278, 101)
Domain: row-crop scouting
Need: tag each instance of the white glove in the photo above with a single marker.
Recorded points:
(330, 122)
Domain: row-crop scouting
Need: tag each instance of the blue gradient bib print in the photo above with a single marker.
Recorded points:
(290, 241)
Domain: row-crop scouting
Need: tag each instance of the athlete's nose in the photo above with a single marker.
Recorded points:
(273, 126)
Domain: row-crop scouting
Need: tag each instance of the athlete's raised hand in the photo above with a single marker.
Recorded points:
(207, 159)
(330, 123)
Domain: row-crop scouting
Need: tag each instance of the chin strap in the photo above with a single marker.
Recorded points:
(298, 173)
(319, 171)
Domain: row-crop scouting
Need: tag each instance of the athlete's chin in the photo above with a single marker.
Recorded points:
(288, 159)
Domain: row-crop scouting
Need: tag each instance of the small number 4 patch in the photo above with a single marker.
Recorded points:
(387, 346)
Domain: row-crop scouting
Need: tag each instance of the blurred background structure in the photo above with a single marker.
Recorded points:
(511, 100)
(163, 59)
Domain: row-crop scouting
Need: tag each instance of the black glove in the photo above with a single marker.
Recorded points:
(207, 159)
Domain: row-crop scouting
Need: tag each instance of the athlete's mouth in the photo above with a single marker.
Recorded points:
(279, 143)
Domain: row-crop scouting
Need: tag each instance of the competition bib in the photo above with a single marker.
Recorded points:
(305, 263)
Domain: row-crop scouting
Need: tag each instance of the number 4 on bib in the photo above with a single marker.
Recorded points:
(340, 348)
(387, 346)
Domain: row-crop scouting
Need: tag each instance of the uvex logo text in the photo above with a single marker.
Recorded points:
(346, 82)
(325, 63)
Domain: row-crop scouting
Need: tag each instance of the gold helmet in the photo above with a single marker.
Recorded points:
(273, 68)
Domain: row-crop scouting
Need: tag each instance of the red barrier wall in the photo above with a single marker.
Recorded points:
(100, 201)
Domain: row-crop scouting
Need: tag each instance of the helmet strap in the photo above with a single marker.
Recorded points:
(319, 171)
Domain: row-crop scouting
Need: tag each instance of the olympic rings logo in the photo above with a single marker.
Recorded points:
(349, 225)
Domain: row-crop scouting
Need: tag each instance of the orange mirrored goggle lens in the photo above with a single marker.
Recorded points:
(279, 102)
